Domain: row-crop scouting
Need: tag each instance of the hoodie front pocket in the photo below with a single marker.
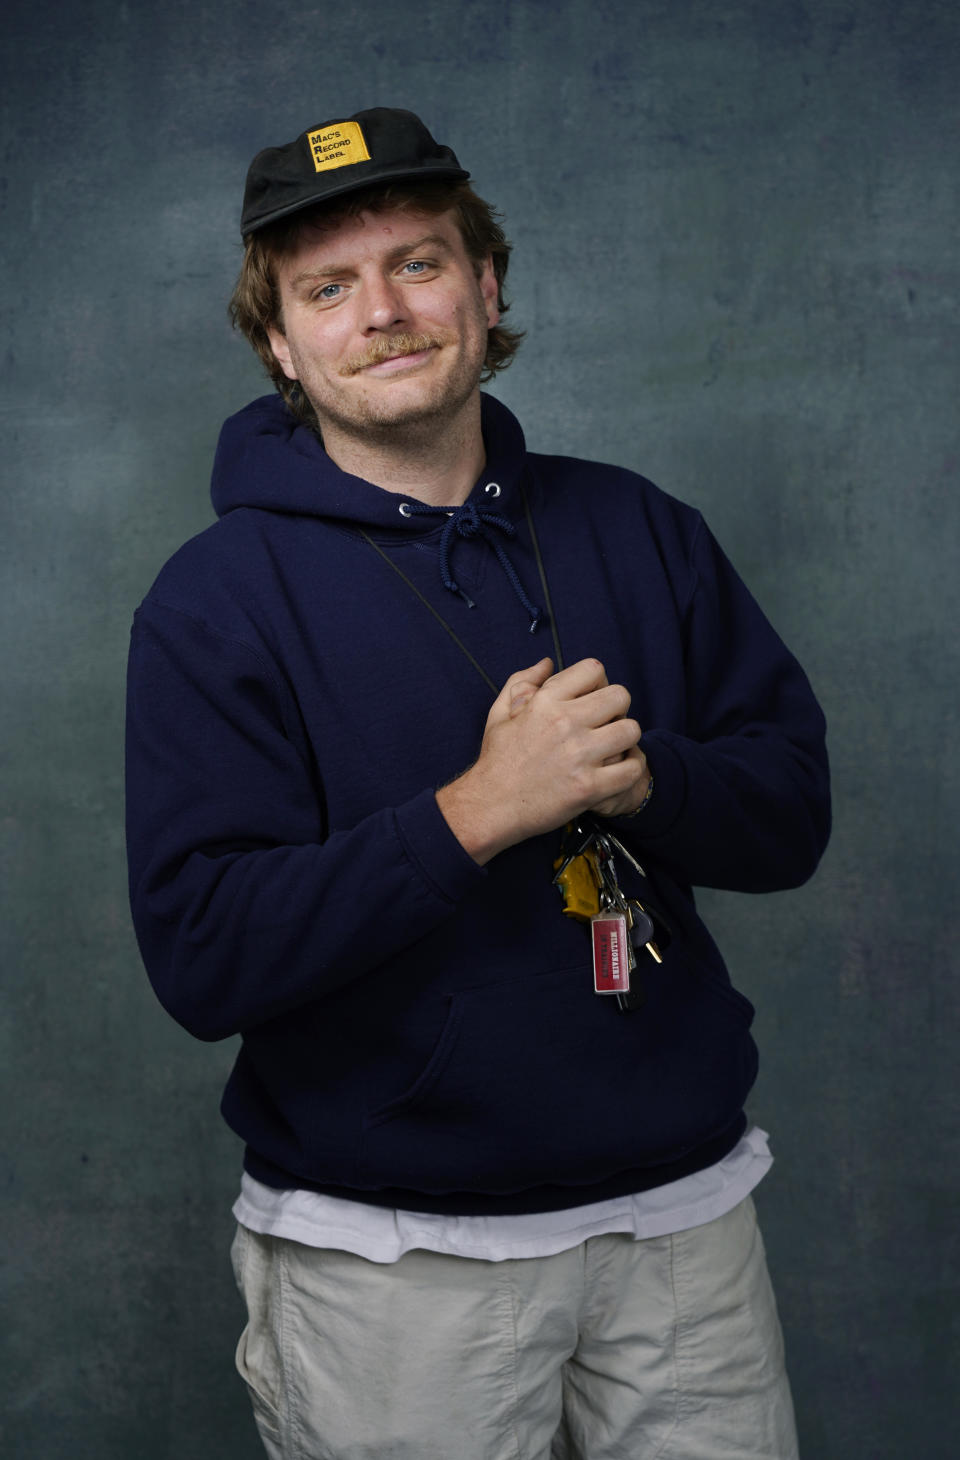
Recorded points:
(543, 1082)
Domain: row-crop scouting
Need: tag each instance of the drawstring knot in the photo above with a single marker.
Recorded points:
(469, 521)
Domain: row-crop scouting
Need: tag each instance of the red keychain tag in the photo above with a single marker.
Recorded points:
(611, 956)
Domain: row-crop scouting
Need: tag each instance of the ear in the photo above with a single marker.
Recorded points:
(489, 289)
(280, 348)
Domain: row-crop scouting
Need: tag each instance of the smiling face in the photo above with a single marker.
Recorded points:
(384, 324)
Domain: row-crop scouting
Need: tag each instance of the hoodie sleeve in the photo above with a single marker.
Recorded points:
(243, 910)
(741, 801)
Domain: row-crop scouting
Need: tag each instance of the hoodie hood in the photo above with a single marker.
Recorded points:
(268, 460)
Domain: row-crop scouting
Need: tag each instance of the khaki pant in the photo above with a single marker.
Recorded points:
(615, 1350)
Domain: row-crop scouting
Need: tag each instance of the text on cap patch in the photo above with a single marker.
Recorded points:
(337, 145)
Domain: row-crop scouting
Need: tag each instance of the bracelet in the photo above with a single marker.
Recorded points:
(643, 803)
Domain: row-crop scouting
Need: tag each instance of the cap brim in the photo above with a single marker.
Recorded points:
(386, 175)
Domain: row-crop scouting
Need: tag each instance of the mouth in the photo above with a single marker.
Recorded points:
(395, 363)
(394, 355)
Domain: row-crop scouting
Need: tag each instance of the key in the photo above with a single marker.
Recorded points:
(642, 930)
(624, 851)
(659, 934)
(609, 886)
(631, 952)
(611, 893)
(577, 837)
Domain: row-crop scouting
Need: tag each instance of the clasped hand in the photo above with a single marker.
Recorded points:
(554, 746)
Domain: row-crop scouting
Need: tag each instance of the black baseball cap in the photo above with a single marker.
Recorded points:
(382, 145)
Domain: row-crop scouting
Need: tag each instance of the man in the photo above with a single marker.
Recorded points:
(495, 1201)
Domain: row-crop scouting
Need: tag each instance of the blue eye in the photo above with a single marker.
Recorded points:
(415, 265)
(329, 291)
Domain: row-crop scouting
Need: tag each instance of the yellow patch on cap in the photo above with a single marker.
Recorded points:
(337, 145)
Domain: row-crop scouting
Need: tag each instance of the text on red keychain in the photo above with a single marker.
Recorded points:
(611, 953)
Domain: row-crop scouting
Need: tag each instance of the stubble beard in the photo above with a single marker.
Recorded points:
(375, 420)
(371, 419)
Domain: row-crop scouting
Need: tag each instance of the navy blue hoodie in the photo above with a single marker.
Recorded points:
(417, 1030)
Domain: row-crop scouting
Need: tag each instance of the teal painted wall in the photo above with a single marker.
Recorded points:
(736, 234)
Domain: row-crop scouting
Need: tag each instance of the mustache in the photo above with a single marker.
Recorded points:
(389, 349)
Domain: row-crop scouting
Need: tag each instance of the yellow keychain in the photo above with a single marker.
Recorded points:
(579, 883)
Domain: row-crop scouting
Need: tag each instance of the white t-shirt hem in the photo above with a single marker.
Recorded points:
(383, 1234)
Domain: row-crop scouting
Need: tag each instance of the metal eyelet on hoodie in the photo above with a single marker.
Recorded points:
(404, 509)
(492, 489)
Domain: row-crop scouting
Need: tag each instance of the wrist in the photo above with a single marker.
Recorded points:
(472, 821)
(644, 803)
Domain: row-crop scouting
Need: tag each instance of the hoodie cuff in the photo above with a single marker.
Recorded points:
(669, 792)
(432, 846)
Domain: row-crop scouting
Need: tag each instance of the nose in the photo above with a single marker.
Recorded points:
(383, 303)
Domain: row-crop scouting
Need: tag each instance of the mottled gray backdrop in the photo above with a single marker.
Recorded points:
(736, 230)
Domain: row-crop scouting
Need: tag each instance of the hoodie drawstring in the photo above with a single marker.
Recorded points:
(468, 521)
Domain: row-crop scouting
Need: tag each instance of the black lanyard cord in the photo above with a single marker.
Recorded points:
(557, 651)
(438, 616)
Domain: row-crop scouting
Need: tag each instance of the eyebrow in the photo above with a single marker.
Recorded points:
(402, 250)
